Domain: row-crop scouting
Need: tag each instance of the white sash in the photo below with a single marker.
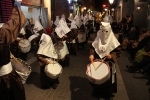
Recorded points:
(5, 69)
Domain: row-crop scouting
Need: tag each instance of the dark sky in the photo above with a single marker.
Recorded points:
(98, 5)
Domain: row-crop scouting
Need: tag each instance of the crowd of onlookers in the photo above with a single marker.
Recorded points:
(136, 41)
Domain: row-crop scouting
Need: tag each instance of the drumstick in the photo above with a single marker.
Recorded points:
(22, 42)
(15, 59)
(100, 64)
(53, 62)
(94, 66)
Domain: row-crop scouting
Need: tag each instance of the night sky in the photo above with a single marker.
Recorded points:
(98, 5)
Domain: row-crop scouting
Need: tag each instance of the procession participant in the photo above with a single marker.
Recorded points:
(72, 38)
(11, 87)
(63, 17)
(61, 32)
(46, 55)
(102, 47)
(107, 18)
(35, 38)
(82, 36)
(56, 21)
(70, 18)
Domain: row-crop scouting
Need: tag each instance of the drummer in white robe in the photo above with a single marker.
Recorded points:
(72, 38)
(61, 32)
(82, 35)
(46, 54)
(35, 38)
(102, 47)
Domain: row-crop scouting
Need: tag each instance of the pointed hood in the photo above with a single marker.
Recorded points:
(46, 47)
(15, 23)
(57, 21)
(37, 26)
(62, 28)
(70, 17)
(105, 41)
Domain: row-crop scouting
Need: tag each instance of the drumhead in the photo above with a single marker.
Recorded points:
(24, 45)
(101, 72)
(99, 76)
(53, 70)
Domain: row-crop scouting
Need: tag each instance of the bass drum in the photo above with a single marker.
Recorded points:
(100, 75)
(22, 68)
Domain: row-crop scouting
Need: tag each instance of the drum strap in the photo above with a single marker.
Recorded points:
(113, 67)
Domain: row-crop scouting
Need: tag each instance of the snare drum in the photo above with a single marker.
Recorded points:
(24, 45)
(99, 76)
(53, 70)
(22, 68)
(81, 37)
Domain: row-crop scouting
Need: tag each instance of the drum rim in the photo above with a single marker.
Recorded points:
(24, 63)
(95, 78)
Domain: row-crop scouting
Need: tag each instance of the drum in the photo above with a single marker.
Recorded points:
(22, 68)
(61, 50)
(59, 45)
(32, 37)
(72, 35)
(100, 75)
(81, 37)
(53, 70)
(24, 45)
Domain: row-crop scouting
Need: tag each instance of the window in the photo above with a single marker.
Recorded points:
(6, 10)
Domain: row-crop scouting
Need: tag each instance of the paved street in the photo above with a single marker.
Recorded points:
(74, 83)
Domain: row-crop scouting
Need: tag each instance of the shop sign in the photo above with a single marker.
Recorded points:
(30, 9)
(31, 2)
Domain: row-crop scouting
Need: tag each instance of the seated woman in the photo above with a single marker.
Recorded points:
(140, 43)
(142, 58)
(102, 47)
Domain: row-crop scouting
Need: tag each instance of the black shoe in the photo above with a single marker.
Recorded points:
(141, 72)
(129, 66)
(94, 94)
(148, 83)
(54, 86)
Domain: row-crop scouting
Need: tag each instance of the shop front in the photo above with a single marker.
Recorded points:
(34, 10)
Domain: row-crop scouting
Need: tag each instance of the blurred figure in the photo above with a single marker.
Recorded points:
(11, 87)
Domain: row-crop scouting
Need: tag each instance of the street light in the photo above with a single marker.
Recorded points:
(111, 1)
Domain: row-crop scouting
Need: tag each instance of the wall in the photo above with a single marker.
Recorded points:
(61, 7)
(25, 11)
(128, 7)
(140, 17)
(118, 9)
(47, 4)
